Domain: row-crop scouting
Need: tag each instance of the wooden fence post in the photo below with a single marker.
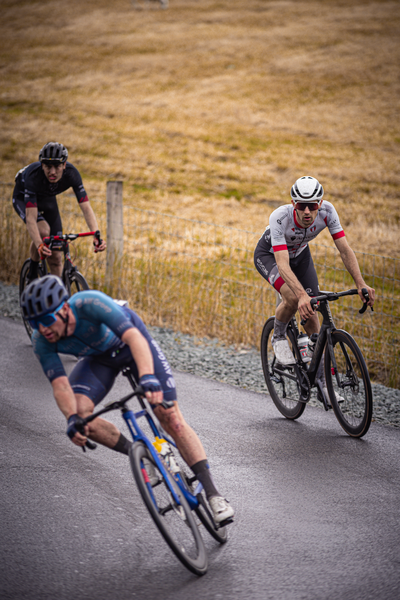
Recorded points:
(115, 232)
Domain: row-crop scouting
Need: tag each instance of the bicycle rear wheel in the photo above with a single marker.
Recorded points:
(23, 282)
(282, 383)
(75, 282)
(174, 521)
(351, 397)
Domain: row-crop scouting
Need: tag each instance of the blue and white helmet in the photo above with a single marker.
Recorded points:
(307, 189)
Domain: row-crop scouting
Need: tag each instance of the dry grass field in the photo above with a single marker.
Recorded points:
(212, 108)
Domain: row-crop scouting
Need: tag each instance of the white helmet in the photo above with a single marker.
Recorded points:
(307, 189)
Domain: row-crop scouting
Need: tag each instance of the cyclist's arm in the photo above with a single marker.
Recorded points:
(66, 402)
(33, 230)
(304, 306)
(143, 358)
(91, 221)
(350, 262)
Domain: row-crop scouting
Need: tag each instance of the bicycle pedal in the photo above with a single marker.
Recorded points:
(227, 521)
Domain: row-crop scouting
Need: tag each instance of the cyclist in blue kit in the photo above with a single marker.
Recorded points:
(282, 256)
(107, 338)
(34, 200)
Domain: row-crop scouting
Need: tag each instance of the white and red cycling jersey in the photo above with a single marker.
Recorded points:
(285, 233)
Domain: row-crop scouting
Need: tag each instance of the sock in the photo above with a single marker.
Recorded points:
(33, 270)
(279, 330)
(122, 445)
(202, 471)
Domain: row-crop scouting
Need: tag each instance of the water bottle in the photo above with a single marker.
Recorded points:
(163, 448)
(302, 342)
(311, 344)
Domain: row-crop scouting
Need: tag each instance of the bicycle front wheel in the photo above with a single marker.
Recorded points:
(350, 389)
(203, 512)
(282, 383)
(174, 520)
(23, 282)
(75, 282)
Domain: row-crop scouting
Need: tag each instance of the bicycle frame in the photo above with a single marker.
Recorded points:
(131, 419)
(325, 335)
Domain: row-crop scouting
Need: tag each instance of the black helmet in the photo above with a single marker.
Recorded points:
(53, 151)
(43, 296)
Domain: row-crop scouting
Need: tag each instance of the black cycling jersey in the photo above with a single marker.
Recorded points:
(32, 185)
(33, 190)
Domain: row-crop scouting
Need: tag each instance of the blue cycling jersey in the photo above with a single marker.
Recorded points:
(100, 323)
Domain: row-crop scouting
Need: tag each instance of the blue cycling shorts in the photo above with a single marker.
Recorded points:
(94, 376)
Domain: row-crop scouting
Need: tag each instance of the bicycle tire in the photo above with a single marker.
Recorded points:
(354, 411)
(22, 285)
(283, 385)
(75, 282)
(175, 522)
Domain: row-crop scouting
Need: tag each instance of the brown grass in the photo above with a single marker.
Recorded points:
(212, 109)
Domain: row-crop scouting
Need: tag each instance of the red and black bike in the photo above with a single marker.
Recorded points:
(73, 280)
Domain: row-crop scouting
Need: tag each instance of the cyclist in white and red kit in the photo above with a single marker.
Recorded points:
(283, 258)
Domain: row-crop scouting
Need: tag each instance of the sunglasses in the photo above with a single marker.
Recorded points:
(303, 205)
(52, 163)
(45, 320)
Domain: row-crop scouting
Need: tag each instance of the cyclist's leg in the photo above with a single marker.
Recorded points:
(267, 267)
(91, 382)
(44, 229)
(187, 441)
(52, 216)
(307, 275)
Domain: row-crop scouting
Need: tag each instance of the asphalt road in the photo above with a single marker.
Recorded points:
(317, 513)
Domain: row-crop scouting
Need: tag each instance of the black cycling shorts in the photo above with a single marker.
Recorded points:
(50, 214)
(302, 266)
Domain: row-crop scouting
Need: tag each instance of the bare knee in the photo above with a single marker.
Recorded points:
(171, 420)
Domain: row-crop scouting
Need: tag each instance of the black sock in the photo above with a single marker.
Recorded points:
(33, 270)
(122, 445)
(202, 472)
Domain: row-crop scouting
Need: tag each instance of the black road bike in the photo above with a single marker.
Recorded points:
(73, 280)
(346, 373)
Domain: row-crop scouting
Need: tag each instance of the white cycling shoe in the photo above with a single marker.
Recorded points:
(221, 509)
(325, 391)
(283, 354)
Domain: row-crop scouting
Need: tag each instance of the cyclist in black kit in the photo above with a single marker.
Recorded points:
(34, 200)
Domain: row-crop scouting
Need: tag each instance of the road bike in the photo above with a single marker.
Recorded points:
(346, 373)
(175, 500)
(73, 280)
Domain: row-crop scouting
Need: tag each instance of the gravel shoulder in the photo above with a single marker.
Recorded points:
(211, 359)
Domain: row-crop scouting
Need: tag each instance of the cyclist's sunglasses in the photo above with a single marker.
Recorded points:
(45, 320)
(311, 205)
(52, 163)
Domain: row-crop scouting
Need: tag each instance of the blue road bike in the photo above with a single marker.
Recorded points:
(175, 500)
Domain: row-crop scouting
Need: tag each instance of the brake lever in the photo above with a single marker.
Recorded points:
(90, 445)
(365, 305)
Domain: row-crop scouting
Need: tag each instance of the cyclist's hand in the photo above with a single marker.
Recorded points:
(152, 388)
(371, 294)
(74, 429)
(304, 307)
(43, 251)
(99, 245)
